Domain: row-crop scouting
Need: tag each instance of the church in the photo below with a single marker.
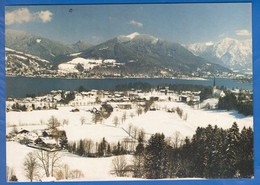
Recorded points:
(217, 93)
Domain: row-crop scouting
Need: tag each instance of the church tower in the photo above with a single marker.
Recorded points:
(214, 88)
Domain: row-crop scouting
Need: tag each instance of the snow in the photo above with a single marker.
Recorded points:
(103, 48)
(19, 53)
(95, 133)
(157, 121)
(16, 154)
(233, 53)
(75, 54)
(86, 63)
(133, 35)
(209, 43)
(92, 168)
(48, 179)
(168, 123)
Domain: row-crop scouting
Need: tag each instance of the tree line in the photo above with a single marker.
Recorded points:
(212, 152)
(241, 102)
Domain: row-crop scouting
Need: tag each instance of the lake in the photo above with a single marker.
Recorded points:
(20, 86)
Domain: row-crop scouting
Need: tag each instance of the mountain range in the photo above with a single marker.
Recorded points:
(126, 55)
(40, 46)
(231, 53)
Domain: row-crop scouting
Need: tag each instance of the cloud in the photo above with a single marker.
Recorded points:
(44, 16)
(18, 16)
(136, 23)
(243, 33)
(23, 15)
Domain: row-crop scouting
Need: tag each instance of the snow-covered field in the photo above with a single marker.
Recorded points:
(159, 120)
(151, 122)
(86, 64)
(92, 168)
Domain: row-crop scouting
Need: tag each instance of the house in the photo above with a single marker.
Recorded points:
(23, 131)
(216, 93)
(124, 106)
(184, 98)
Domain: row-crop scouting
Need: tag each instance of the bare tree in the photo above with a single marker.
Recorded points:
(139, 111)
(98, 99)
(124, 116)
(9, 173)
(31, 166)
(53, 123)
(59, 175)
(42, 122)
(49, 161)
(116, 121)
(65, 122)
(66, 171)
(88, 145)
(135, 131)
(76, 174)
(120, 164)
(55, 161)
(97, 117)
(130, 127)
(141, 134)
(176, 139)
(132, 115)
(82, 120)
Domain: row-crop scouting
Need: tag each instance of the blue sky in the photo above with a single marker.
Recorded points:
(182, 23)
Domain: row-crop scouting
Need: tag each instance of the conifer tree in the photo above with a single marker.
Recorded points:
(156, 164)
(232, 152)
(246, 155)
(80, 148)
(139, 158)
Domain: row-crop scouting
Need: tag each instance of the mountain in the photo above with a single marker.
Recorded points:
(35, 45)
(143, 54)
(134, 55)
(232, 53)
(80, 46)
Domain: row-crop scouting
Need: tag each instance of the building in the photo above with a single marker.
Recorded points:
(217, 93)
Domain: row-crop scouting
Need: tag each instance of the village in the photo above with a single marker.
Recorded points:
(63, 121)
(98, 105)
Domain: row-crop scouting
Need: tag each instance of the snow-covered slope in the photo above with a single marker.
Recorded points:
(18, 63)
(235, 54)
(86, 64)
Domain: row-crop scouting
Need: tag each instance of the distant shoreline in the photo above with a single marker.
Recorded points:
(121, 78)
(175, 78)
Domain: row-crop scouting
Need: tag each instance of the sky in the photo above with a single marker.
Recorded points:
(181, 23)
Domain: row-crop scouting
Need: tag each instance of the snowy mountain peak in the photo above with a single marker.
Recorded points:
(210, 43)
(232, 53)
(133, 35)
